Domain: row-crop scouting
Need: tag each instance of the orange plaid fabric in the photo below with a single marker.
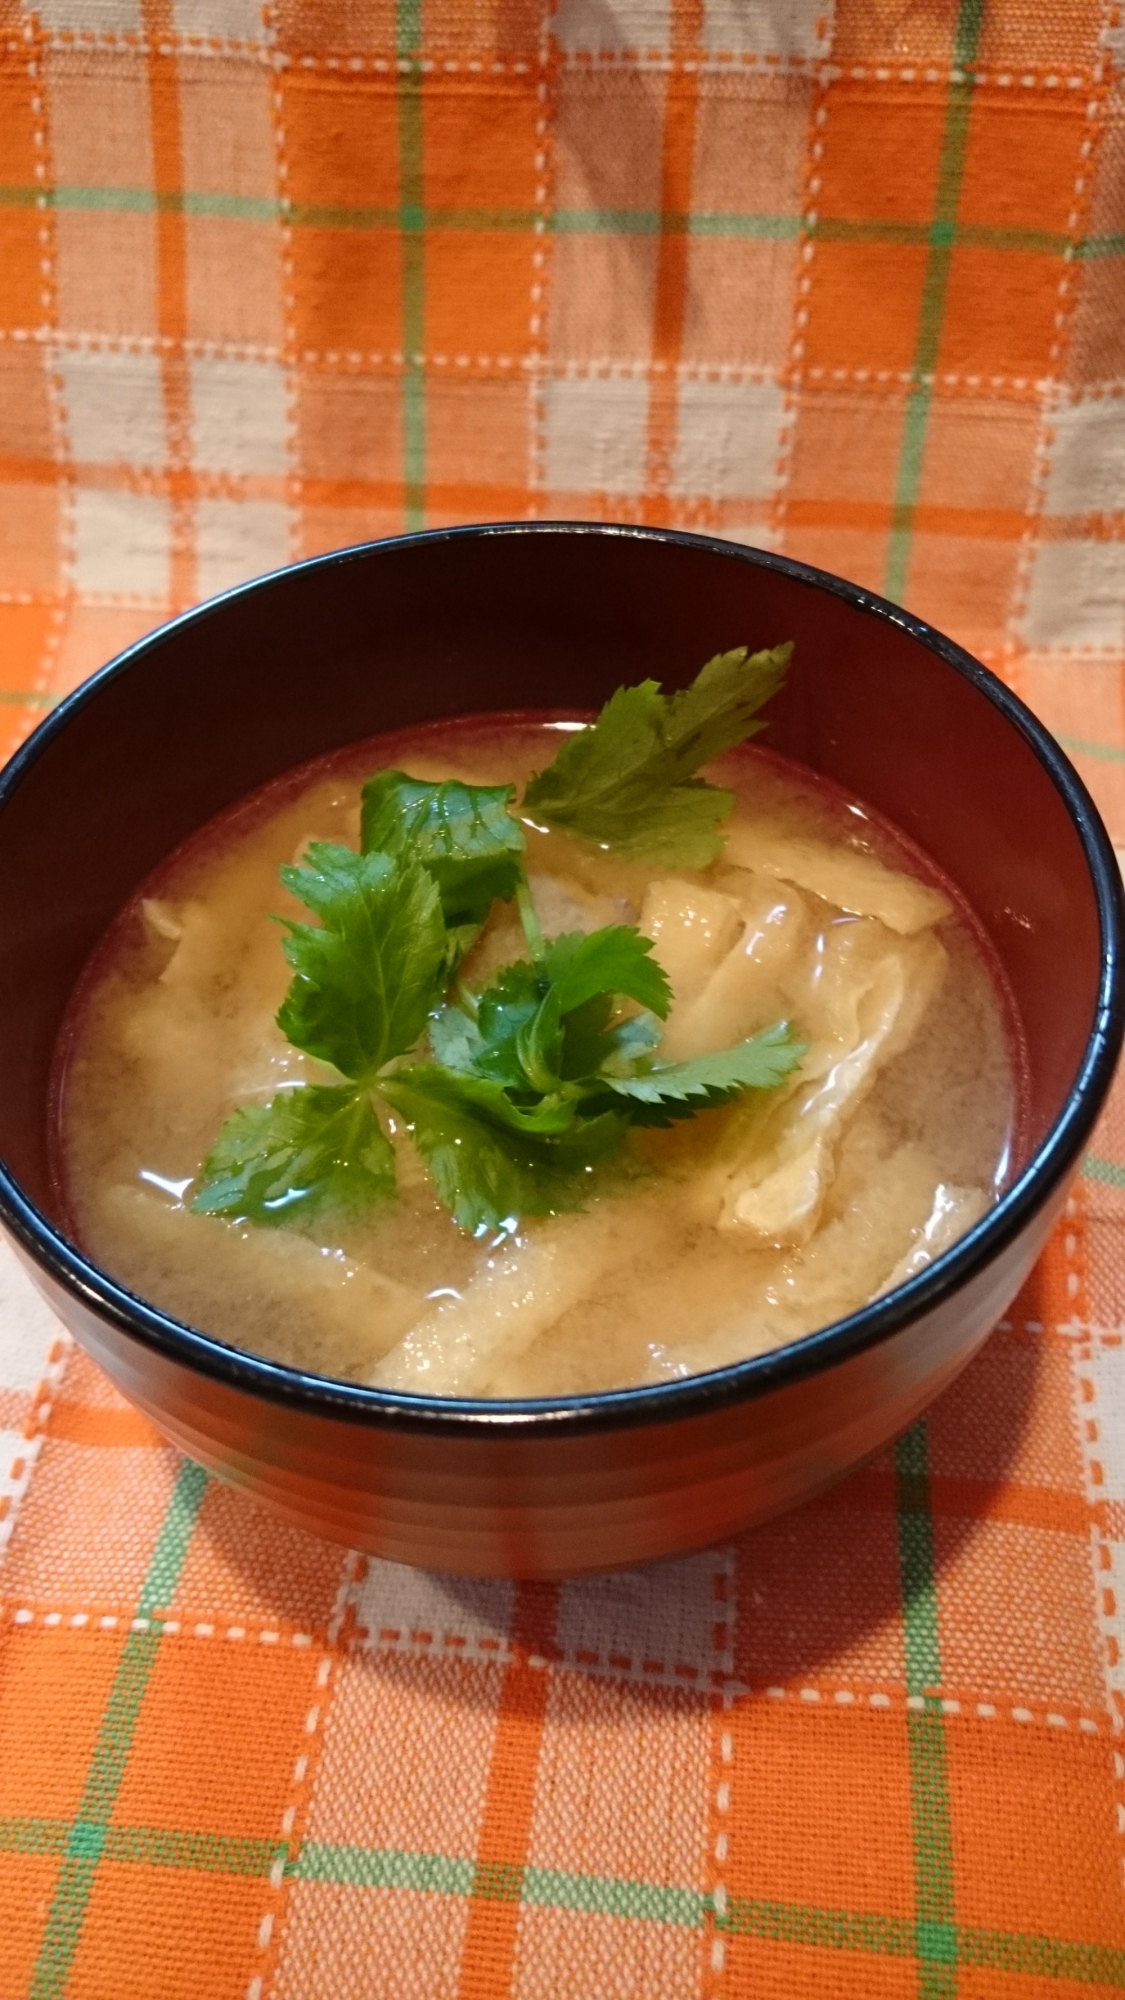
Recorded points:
(848, 282)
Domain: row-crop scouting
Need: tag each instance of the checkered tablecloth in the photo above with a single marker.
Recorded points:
(848, 283)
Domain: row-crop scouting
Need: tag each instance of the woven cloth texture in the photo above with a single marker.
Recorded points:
(845, 283)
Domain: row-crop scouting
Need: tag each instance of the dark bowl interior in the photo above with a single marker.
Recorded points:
(549, 616)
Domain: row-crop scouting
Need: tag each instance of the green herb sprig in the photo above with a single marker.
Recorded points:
(629, 782)
(516, 1094)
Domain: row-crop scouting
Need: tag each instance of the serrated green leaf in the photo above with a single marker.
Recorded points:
(309, 1152)
(464, 834)
(679, 1090)
(369, 975)
(485, 1044)
(720, 708)
(628, 781)
(550, 1117)
(488, 1169)
(588, 973)
(538, 1027)
(503, 1011)
(617, 959)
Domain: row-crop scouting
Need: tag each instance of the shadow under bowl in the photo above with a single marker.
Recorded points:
(552, 616)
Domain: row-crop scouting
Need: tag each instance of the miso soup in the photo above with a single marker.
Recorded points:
(761, 1215)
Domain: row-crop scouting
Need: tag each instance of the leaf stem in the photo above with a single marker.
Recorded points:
(467, 1000)
(536, 943)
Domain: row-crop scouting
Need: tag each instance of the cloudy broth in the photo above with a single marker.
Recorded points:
(725, 1236)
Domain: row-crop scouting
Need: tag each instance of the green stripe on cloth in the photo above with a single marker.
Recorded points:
(34, 1836)
(408, 40)
(606, 1896)
(1101, 246)
(932, 310)
(841, 1930)
(149, 1846)
(28, 698)
(498, 1881)
(652, 222)
(210, 1853)
(411, 215)
(1080, 747)
(892, 1937)
(687, 1909)
(545, 1888)
(338, 1865)
(383, 1868)
(1095, 1169)
(935, 1936)
(943, 233)
(89, 1831)
(1050, 1958)
(142, 201)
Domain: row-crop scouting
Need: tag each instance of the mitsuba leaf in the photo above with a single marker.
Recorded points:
(547, 1119)
(485, 1043)
(720, 707)
(662, 1093)
(368, 976)
(628, 781)
(307, 1153)
(538, 1027)
(586, 975)
(503, 1012)
(464, 834)
(581, 965)
(488, 1164)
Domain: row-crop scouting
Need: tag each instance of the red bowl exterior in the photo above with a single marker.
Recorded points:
(512, 1500)
(551, 616)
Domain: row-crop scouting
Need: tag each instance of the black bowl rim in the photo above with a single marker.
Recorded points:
(694, 1395)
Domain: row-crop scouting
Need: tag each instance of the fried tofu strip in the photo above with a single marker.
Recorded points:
(312, 1308)
(517, 1292)
(863, 999)
(954, 1211)
(823, 1280)
(855, 882)
(725, 955)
